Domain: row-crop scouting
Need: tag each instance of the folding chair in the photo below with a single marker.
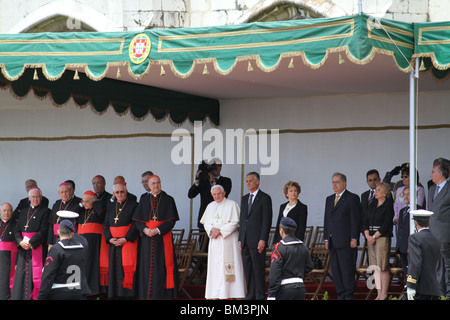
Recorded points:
(396, 274)
(319, 274)
(308, 236)
(362, 270)
(183, 252)
(199, 255)
(177, 235)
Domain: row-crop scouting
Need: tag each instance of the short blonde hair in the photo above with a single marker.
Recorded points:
(291, 184)
(387, 188)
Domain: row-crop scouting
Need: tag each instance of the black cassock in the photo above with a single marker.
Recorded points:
(90, 226)
(158, 273)
(122, 259)
(72, 205)
(8, 253)
(32, 223)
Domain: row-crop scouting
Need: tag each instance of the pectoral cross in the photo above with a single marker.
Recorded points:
(154, 218)
(26, 227)
(217, 218)
(116, 219)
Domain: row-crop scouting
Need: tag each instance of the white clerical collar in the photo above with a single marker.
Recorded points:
(155, 195)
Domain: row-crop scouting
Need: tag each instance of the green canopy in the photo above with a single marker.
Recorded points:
(432, 42)
(101, 55)
(359, 36)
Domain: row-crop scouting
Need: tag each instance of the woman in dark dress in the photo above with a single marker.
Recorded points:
(293, 209)
(378, 223)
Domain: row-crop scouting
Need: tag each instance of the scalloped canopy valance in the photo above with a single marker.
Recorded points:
(95, 56)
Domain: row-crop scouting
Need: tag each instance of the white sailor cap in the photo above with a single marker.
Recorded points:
(66, 214)
(421, 213)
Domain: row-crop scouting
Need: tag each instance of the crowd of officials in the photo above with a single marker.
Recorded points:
(115, 245)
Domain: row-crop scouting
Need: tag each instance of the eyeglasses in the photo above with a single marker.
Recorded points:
(405, 176)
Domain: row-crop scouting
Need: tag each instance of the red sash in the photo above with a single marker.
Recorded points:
(97, 228)
(37, 264)
(10, 246)
(168, 252)
(129, 255)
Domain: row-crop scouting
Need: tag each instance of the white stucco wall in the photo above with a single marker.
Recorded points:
(309, 158)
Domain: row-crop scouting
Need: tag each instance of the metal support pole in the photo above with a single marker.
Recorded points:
(412, 140)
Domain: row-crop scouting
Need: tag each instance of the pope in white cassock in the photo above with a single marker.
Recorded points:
(225, 278)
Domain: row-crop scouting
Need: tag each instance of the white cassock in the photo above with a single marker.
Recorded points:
(225, 278)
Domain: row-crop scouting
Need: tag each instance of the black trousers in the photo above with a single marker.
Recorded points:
(254, 270)
(65, 294)
(292, 291)
(343, 268)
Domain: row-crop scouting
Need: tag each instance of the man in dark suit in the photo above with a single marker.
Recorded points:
(403, 230)
(342, 221)
(423, 256)
(255, 223)
(372, 179)
(203, 186)
(439, 204)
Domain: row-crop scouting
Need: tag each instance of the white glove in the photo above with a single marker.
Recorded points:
(411, 293)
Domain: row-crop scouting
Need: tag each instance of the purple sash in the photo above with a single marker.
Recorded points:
(37, 263)
(10, 246)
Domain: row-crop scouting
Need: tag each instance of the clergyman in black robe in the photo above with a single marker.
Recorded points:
(155, 218)
(122, 237)
(31, 235)
(66, 203)
(90, 226)
(8, 251)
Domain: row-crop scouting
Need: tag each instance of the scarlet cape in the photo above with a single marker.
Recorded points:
(122, 259)
(90, 225)
(158, 273)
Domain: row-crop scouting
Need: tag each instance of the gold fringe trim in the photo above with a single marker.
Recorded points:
(256, 58)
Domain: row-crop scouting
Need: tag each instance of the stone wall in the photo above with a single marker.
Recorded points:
(103, 15)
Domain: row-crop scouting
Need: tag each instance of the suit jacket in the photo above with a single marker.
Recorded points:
(342, 222)
(365, 205)
(255, 225)
(440, 219)
(423, 255)
(403, 230)
(299, 214)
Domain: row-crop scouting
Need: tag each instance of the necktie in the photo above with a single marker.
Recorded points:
(405, 213)
(371, 196)
(336, 200)
(436, 192)
(250, 202)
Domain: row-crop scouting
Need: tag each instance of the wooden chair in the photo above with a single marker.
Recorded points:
(308, 236)
(183, 252)
(270, 244)
(362, 271)
(177, 235)
(269, 249)
(396, 274)
(318, 238)
(199, 255)
(321, 256)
